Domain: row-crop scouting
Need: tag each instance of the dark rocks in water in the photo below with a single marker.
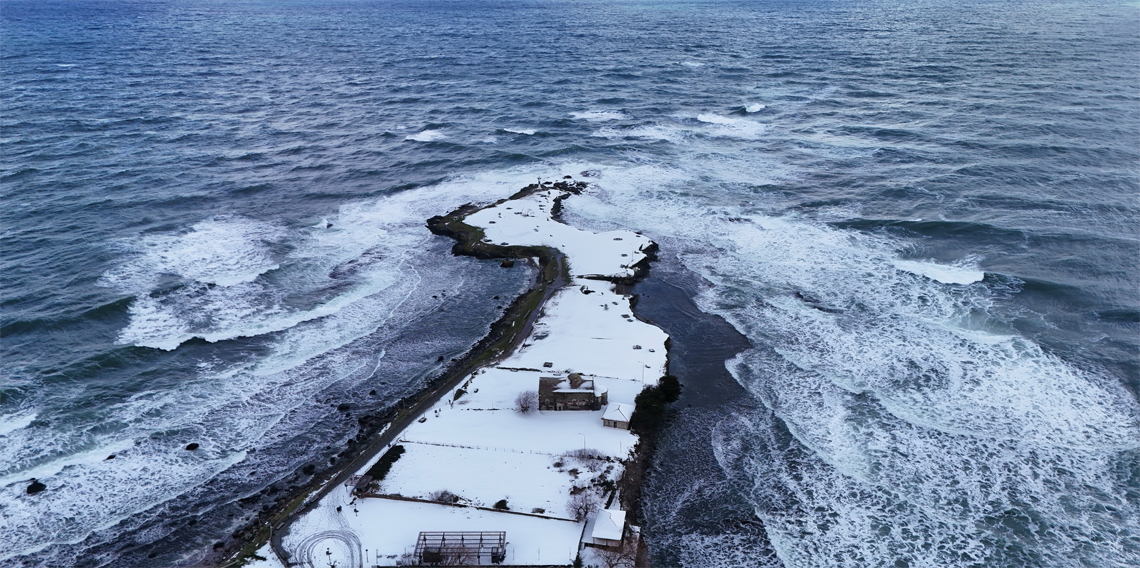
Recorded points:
(219, 544)
(507, 263)
(440, 360)
(309, 469)
(372, 392)
(343, 407)
(495, 298)
(36, 487)
(332, 461)
(110, 457)
(192, 446)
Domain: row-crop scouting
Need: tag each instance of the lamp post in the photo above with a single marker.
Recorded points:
(583, 440)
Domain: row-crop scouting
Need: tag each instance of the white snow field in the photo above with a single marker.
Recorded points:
(476, 445)
(527, 221)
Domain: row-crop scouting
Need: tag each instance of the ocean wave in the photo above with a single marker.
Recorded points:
(599, 115)
(946, 274)
(913, 402)
(426, 136)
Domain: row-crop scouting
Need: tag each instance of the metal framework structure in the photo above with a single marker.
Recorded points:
(454, 548)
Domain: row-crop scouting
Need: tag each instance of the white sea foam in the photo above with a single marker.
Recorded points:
(917, 414)
(221, 250)
(683, 129)
(524, 131)
(646, 132)
(941, 272)
(754, 108)
(599, 115)
(426, 136)
(231, 407)
(732, 127)
(13, 422)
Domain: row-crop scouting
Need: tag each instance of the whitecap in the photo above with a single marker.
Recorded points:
(718, 119)
(12, 422)
(525, 131)
(223, 250)
(599, 115)
(947, 274)
(647, 132)
(730, 127)
(754, 108)
(426, 136)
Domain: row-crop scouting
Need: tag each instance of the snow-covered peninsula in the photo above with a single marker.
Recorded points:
(519, 462)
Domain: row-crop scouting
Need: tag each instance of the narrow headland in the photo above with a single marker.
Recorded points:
(545, 427)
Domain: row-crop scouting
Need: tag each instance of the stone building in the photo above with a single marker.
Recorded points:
(570, 393)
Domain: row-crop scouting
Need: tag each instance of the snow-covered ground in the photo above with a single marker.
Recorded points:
(476, 445)
(527, 221)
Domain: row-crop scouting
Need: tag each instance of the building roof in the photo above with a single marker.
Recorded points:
(609, 525)
(618, 412)
(547, 385)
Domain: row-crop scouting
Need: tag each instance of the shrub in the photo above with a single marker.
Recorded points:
(670, 388)
(443, 496)
(649, 410)
(380, 470)
(585, 454)
(526, 401)
(501, 505)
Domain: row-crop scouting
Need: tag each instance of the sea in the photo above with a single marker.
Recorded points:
(900, 259)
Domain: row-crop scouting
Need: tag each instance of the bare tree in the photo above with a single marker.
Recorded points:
(623, 556)
(582, 505)
(526, 401)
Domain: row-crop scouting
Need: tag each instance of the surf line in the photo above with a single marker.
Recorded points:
(525, 226)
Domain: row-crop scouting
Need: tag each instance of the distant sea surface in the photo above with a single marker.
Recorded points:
(912, 227)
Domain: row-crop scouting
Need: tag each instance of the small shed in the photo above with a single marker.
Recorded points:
(609, 529)
(617, 415)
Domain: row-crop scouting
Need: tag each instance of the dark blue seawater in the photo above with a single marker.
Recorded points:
(921, 216)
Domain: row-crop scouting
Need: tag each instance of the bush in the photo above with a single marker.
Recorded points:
(501, 505)
(526, 401)
(443, 496)
(649, 410)
(585, 454)
(670, 387)
(380, 470)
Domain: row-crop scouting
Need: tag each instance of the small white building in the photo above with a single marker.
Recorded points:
(609, 529)
(617, 415)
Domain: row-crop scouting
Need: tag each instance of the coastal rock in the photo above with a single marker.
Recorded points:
(36, 487)
(508, 263)
(192, 446)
